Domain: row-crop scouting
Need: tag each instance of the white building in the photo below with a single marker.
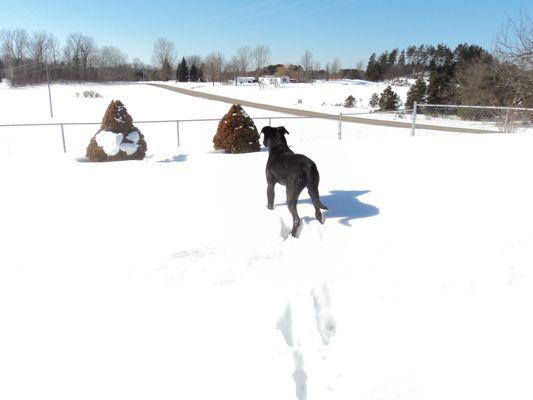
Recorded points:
(244, 80)
(274, 80)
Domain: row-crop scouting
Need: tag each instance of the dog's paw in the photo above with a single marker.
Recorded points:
(270, 207)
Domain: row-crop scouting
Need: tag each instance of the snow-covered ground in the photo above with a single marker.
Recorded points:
(323, 96)
(169, 278)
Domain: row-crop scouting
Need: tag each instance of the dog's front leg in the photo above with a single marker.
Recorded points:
(271, 181)
(270, 195)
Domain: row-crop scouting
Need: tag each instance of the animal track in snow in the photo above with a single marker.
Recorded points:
(285, 325)
(325, 322)
(299, 375)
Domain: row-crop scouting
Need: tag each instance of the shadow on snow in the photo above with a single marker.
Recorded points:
(178, 158)
(343, 204)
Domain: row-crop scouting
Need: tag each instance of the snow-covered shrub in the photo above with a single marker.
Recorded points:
(91, 94)
(117, 139)
(236, 132)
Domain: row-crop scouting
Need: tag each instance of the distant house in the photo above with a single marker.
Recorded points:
(244, 80)
(274, 80)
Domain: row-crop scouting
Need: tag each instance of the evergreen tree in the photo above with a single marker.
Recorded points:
(417, 93)
(440, 89)
(383, 65)
(349, 102)
(182, 73)
(193, 73)
(372, 69)
(391, 63)
(401, 63)
(374, 100)
(389, 101)
(466, 54)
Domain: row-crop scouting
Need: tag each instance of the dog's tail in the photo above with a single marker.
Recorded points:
(313, 178)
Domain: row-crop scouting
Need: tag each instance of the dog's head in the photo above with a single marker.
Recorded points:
(274, 136)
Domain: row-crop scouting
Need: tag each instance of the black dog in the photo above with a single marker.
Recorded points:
(295, 171)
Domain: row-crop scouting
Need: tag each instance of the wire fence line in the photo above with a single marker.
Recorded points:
(62, 125)
(431, 117)
(484, 118)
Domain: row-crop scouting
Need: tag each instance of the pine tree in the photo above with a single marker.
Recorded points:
(441, 89)
(374, 100)
(182, 71)
(372, 69)
(401, 63)
(417, 93)
(349, 102)
(389, 101)
(383, 65)
(193, 73)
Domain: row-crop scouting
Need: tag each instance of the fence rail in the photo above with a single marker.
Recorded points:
(176, 121)
(452, 118)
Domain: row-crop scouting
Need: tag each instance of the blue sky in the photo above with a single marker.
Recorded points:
(348, 29)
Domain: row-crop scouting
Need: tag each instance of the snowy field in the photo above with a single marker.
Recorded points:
(168, 278)
(322, 96)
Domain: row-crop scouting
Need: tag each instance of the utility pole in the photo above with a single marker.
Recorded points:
(49, 93)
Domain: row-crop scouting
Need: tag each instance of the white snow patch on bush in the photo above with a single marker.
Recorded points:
(110, 142)
(129, 148)
(133, 136)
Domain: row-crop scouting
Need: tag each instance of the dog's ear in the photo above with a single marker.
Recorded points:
(283, 130)
(266, 129)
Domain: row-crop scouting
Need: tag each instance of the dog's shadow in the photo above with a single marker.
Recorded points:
(343, 204)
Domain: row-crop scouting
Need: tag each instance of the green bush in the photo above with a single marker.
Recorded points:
(236, 132)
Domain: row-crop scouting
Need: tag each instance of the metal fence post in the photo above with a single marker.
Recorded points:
(506, 122)
(340, 126)
(270, 122)
(178, 132)
(413, 126)
(63, 138)
(49, 93)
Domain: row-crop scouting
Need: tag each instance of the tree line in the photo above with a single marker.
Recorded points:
(467, 74)
(30, 58)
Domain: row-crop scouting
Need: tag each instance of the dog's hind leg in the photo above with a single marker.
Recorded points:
(293, 191)
(295, 218)
(313, 179)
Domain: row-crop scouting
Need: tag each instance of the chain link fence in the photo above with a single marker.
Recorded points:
(472, 119)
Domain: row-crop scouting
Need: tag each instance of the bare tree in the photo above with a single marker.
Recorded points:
(54, 50)
(88, 51)
(164, 57)
(194, 59)
(514, 50)
(244, 56)
(15, 46)
(214, 63)
(111, 57)
(39, 46)
(231, 68)
(15, 50)
(21, 44)
(514, 43)
(335, 67)
(80, 51)
(307, 64)
(261, 56)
